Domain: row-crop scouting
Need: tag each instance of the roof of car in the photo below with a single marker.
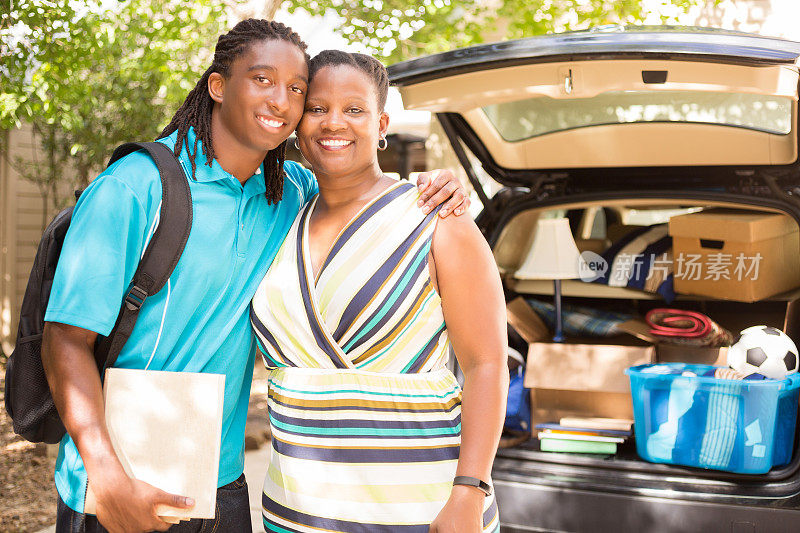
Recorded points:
(685, 42)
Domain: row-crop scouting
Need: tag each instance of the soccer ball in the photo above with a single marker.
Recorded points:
(764, 350)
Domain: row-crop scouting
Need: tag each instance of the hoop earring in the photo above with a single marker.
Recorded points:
(385, 144)
(296, 144)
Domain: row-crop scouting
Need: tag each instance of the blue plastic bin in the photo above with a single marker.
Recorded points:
(737, 426)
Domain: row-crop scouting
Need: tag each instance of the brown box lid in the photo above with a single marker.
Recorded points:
(525, 320)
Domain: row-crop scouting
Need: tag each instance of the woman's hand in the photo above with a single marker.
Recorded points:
(442, 187)
(463, 512)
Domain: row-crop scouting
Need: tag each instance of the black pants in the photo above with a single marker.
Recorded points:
(232, 515)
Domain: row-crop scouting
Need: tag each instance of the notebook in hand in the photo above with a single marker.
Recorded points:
(166, 428)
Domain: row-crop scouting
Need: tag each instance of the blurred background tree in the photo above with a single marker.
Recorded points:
(87, 78)
(398, 29)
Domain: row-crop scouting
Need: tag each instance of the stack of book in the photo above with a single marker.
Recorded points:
(584, 435)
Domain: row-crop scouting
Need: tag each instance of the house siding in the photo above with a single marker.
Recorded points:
(23, 218)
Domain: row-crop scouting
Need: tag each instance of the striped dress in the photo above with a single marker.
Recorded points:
(365, 417)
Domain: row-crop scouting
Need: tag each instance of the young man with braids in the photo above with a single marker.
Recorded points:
(229, 136)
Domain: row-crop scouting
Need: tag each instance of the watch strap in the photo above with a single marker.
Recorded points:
(473, 482)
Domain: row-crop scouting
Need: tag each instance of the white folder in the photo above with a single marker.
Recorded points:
(166, 428)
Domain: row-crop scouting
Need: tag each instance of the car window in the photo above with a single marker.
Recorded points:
(599, 225)
(523, 119)
(554, 213)
(648, 217)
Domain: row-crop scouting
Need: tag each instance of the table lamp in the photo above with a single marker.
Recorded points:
(553, 255)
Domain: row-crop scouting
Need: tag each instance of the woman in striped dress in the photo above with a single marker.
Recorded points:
(370, 432)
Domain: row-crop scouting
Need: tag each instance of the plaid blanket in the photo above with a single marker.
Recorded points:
(580, 321)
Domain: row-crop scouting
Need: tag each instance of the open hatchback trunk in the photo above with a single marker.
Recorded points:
(624, 132)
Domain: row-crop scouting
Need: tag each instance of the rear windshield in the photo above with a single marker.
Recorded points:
(531, 117)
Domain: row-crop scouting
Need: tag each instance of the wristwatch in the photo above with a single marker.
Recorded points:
(473, 482)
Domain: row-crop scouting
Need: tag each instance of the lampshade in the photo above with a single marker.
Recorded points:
(553, 254)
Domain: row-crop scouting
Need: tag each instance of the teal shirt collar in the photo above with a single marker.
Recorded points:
(205, 173)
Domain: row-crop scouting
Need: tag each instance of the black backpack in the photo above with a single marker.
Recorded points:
(27, 394)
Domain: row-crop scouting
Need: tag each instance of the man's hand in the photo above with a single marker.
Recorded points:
(442, 187)
(127, 505)
(122, 504)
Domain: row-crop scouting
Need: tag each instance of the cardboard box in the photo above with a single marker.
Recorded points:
(525, 320)
(568, 379)
(551, 405)
(676, 353)
(695, 355)
(583, 367)
(735, 255)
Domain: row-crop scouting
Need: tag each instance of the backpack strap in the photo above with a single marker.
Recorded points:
(162, 252)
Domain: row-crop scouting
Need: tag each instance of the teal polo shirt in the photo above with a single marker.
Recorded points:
(199, 322)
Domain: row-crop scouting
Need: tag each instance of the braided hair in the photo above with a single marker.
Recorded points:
(195, 112)
(370, 66)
